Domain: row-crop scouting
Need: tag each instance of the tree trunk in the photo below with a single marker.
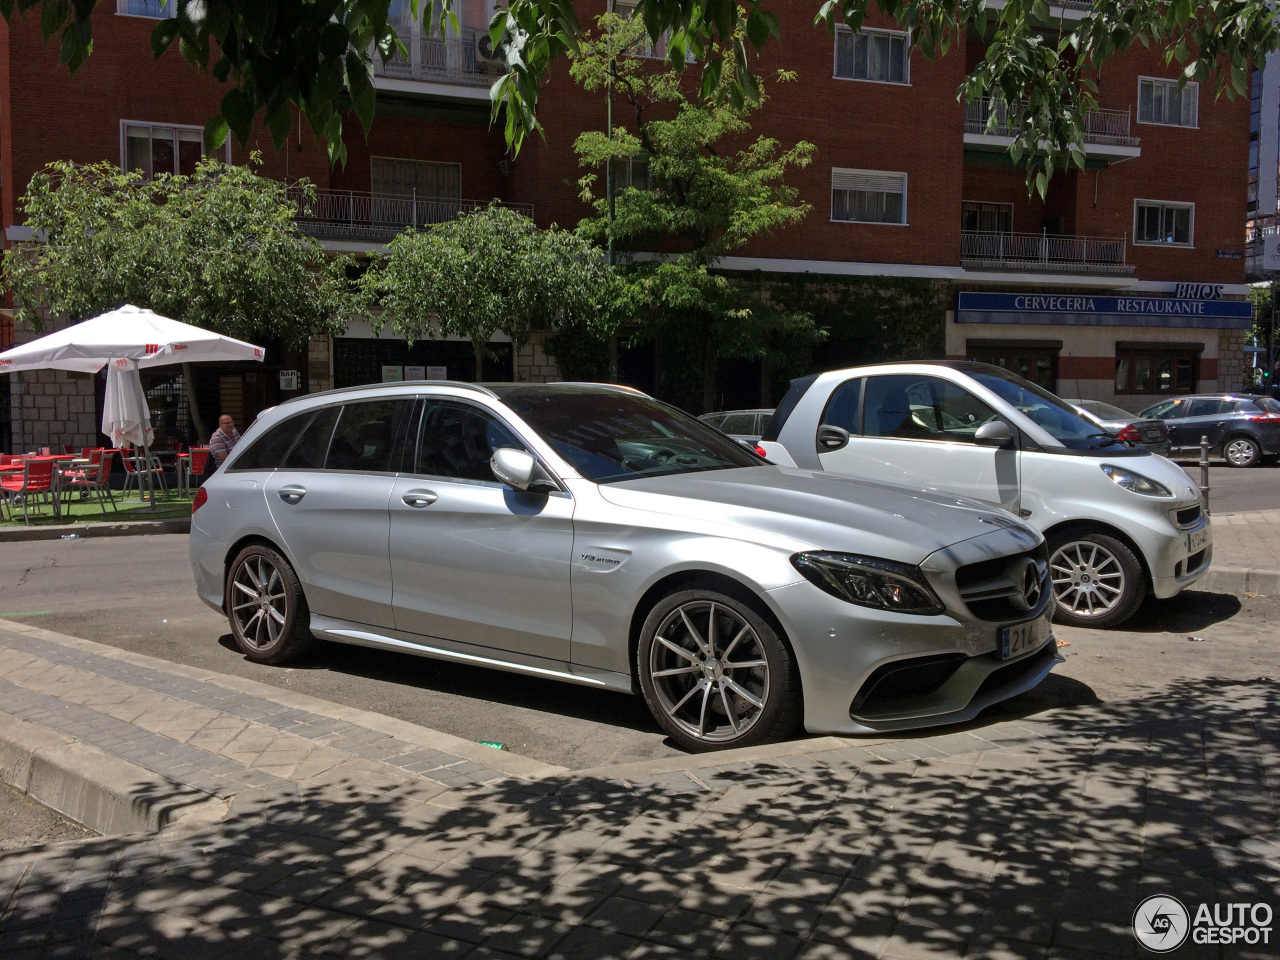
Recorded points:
(708, 368)
(478, 347)
(193, 407)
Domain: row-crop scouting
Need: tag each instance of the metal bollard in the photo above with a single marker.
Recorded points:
(1204, 472)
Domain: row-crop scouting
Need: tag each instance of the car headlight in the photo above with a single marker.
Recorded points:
(1135, 482)
(869, 582)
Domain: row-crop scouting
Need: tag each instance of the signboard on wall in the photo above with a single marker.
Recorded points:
(392, 373)
(290, 380)
(437, 373)
(415, 373)
(1088, 310)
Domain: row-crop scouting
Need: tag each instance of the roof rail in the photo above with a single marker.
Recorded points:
(478, 388)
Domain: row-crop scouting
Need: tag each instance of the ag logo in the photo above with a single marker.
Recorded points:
(1161, 924)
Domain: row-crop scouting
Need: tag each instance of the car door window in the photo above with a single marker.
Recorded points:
(366, 435)
(738, 423)
(844, 406)
(457, 440)
(313, 444)
(270, 449)
(922, 408)
(1207, 407)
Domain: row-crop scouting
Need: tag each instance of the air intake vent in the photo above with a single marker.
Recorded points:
(1006, 588)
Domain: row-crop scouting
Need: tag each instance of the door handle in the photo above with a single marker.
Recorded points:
(831, 437)
(292, 493)
(419, 498)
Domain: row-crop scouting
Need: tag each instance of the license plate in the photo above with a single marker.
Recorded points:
(1152, 435)
(1197, 540)
(1022, 638)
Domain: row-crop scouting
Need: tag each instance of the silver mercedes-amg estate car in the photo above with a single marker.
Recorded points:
(592, 534)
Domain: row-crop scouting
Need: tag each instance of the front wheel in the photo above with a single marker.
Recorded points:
(1097, 580)
(715, 674)
(266, 607)
(1241, 452)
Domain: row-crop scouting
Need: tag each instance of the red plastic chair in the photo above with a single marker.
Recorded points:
(35, 480)
(96, 481)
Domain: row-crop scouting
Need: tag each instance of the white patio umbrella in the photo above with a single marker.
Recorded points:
(129, 338)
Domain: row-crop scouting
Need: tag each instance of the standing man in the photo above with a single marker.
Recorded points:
(224, 439)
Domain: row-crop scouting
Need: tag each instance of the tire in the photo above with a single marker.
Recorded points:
(703, 705)
(270, 625)
(1241, 451)
(1097, 579)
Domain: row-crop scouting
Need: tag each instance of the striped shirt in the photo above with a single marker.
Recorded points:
(220, 444)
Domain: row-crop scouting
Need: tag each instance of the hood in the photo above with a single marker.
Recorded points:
(822, 511)
(1162, 470)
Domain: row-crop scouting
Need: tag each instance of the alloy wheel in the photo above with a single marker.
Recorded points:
(1088, 579)
(260, 603)
(1241, 452)
(709, 671)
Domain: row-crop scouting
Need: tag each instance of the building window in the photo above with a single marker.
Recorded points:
(1160, 101)
(1037, 362)
(881, 55)
(977, 217)
(630, 172)
(148, 8)
(391, 177)
(648, 49)
(868, 196)
(1164, 223)
(1156, 370)
(162, 148)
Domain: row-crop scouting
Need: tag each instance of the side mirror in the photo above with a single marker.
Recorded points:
(513, 467)
(831, 438)
(994, 434)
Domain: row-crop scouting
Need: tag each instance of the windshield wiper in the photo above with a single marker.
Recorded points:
(1106, 436)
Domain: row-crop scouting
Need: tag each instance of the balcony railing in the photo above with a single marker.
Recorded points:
(1101, 127)
(349, 214)
(1044, 252)
(455, 60)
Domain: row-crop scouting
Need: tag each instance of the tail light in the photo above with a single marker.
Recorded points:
(202, 497)
(760, 452)
(1265, 418)
(1130, 434)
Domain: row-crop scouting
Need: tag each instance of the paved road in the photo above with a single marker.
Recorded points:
(1238, 491)
(136, 594)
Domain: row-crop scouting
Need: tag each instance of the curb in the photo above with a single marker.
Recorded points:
(131, 528)
(1259, 581)
(108, 795)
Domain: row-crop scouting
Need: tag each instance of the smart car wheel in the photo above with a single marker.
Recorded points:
(1097, 580)
(1241, 452)
(715, 674)
(266, 608)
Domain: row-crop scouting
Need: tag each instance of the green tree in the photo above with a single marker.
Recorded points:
(491, 271)
(702, 188)
(218, 249)
(317, 55)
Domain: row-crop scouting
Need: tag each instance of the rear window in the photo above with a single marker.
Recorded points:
(799, 387)
(269, 450)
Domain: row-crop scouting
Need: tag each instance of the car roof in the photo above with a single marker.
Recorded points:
(496, 390)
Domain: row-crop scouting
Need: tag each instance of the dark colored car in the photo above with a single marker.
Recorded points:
(745, 426)
(1243, 428)
(1151, 433)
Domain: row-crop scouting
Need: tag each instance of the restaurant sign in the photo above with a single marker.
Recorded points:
(1088, 310)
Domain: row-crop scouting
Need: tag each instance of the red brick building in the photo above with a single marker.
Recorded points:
(1119, 285)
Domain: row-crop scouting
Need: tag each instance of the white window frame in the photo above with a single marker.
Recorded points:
(124, 140)
(168, 12)
(869, 31)
(1175, 204)
(1165, 81)
(627, 9)
(869, 173)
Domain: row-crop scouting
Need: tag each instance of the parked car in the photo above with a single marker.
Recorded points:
(1120, 522)
(591, 534)
(1148, 431)
(1243, 428)
(745, 426)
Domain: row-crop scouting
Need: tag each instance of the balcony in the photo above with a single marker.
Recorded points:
(1106, 132)
(376, 218)
(1043, 253)
(455, 62)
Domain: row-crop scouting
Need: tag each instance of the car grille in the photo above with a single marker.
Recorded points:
(904, 679)
(993, 589)
(1189, 516)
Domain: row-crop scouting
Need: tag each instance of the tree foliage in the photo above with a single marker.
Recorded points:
(491, 271)
(218, 249)
(318, 55)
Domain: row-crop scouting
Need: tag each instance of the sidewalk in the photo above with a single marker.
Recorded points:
(1246, 553)
(293, 827)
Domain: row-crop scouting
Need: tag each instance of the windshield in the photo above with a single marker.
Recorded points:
(609, 436)
(1056, 418)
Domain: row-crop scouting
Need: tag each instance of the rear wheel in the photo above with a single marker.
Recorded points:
(1097, 580)
(715, 674)
(266, 607)
(1241, 451)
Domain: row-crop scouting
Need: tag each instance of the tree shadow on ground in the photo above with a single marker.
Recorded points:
(1029, 845)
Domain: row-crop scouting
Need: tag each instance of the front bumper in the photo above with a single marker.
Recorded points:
(1180, 558)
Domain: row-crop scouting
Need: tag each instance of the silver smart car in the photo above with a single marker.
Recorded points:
(591, 534)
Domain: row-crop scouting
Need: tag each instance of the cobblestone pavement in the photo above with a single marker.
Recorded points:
(1013, 839)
